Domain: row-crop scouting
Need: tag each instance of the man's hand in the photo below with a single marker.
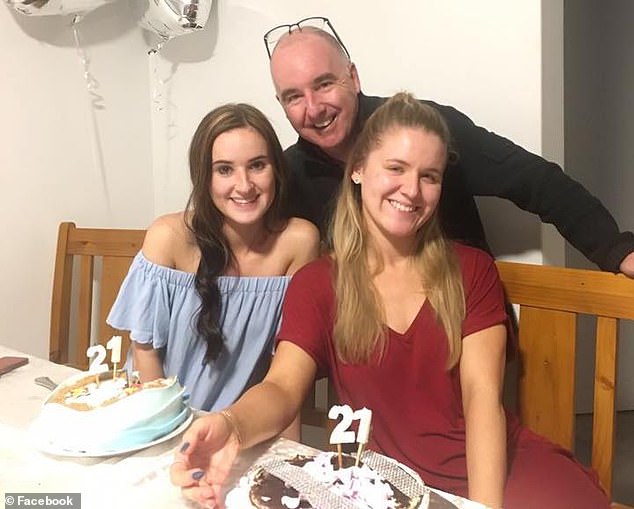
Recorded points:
(627, 265)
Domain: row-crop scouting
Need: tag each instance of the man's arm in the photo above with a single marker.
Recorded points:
(494, 166)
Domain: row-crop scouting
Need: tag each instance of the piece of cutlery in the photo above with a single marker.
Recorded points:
(46, 382)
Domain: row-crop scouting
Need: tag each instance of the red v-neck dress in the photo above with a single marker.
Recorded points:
(417, 403)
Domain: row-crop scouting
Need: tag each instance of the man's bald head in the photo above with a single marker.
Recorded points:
(298, 35)
(317, 86)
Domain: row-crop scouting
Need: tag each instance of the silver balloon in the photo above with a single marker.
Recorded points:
(52, 7)
(170, 18)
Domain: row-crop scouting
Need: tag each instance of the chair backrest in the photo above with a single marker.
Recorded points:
(111, 251)
(314, 411)
(550, 299)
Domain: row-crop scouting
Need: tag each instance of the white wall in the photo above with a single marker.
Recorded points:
(449, 52)
(61, 159)
(482, 57)
(599, 130)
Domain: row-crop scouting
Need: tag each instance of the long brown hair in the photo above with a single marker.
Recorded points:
(206, 220)
(360, 320)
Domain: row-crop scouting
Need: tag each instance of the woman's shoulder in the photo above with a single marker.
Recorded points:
(301, 230)
(300, 242)
(477, 266)
(166, 239)
(471, 256)
(319, 269)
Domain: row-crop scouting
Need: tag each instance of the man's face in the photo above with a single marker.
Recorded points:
(317, 87)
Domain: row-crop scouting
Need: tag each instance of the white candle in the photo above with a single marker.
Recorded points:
(97, 366)
(114, 345)
(341, 434)
(365, 420)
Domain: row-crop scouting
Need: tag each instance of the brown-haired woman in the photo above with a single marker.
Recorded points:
(202, 300)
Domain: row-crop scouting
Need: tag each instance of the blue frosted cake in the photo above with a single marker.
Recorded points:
(86, 416)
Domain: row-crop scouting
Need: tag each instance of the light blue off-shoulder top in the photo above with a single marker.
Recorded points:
(160, 305)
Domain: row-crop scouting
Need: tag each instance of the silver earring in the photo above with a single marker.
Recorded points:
(356, 180)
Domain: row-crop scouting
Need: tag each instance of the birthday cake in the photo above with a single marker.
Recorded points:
(98, 414)
(316, 481)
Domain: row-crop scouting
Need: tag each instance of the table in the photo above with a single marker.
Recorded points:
(136, 480)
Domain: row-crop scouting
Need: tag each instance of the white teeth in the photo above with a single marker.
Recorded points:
(402, 207)
(243, 201)
(325, 123)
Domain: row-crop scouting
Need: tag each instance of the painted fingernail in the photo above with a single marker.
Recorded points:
(197, 476)
(185, 446)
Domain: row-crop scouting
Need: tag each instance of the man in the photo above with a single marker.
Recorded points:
(319, 88)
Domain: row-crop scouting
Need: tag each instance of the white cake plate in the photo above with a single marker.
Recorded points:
(51, 448)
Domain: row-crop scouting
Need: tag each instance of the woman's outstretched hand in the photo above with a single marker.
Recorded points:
(201, 466)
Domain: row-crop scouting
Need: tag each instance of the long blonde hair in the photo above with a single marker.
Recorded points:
(360, 329)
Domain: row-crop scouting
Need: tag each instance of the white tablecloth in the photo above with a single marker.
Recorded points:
(136, 480)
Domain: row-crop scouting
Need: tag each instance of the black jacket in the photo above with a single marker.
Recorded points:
(487, 165)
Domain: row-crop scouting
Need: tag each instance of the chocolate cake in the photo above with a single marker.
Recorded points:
(352, 487)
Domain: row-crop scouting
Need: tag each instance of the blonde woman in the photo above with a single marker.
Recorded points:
(407, 324)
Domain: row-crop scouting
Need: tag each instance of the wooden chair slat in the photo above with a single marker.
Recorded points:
(114, 270)
(603, 426)
(105, 242)
(547, 377)
(62, 281)
(84, 312)
(580, 291)
(116, 248)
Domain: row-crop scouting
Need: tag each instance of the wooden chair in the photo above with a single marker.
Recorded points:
(550, 299)
(115, 249)
(111, 250)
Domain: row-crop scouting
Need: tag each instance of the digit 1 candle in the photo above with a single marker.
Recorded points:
(114, 345)
(363, 433)
(365, 420)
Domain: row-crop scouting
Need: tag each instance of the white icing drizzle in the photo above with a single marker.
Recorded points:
(290, 502)
(361, 485)
(95, 395)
